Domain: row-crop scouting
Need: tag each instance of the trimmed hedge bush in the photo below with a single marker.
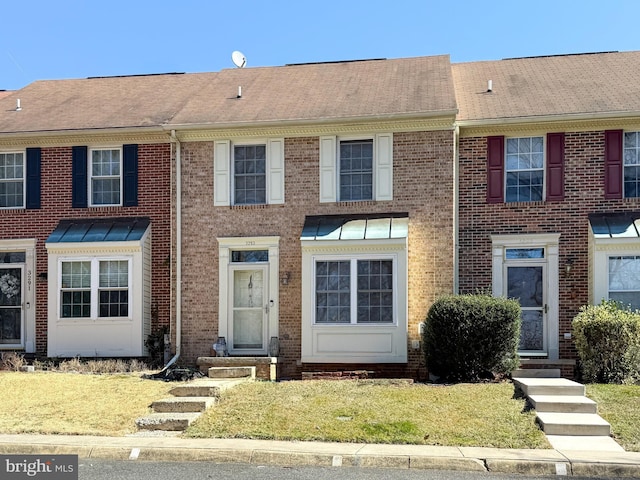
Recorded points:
(468, 337)
(607, 337)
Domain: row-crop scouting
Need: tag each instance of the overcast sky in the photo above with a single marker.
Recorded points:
(57, 39)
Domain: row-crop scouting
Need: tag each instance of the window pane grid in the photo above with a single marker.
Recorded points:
(624, 279)
(105, 177)
(524, 169)
(76, 290)
(11, 180)
(375, 291)
(333, 292)
(356, 170)
(250, 181)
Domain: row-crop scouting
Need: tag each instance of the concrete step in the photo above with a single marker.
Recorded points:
(183, 404)
(175, 421)
(536, 373)
(563, 404)
(593, 443)
(232, 372)
(196, 390)
(583, 424)
(549, 386)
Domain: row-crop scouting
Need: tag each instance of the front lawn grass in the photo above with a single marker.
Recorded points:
(374, 412)
(620, 406)
(75, 404)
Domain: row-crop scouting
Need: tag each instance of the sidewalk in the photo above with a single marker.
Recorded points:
(264, 452)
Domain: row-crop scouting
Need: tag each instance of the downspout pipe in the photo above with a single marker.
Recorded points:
(178, 178)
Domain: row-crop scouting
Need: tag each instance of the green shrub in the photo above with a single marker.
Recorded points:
(468, 337)
(607, 337)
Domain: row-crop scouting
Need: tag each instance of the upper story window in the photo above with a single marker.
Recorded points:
(356, 169)
(249, 173)
(106, 179)
(12, 177)
(524, 169)
(631, 164)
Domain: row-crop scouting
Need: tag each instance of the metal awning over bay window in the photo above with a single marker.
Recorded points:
(354, 288)
(99, 275)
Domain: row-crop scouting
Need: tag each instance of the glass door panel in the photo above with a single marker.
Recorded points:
(525, 283)
(11, 306)
(249, 314)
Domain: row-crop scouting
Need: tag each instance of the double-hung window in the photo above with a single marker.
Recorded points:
(248, 172)
(624, 279)
(524, 169)
(94, 288)
(105, 181)
(631, 164)
(12, 177)
(354, 291)
(356, 169)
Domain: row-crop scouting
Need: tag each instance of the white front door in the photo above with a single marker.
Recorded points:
(249, 309)
(11, 306)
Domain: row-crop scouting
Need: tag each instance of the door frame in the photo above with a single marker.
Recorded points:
(28, 341)
(227, 245)
(550, 243)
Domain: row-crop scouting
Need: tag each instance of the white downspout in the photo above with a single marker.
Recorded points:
(456, 210)
(175, 140)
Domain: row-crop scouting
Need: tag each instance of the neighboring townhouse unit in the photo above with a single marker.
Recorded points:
(317, 212)
(549, 190)
(85, 212)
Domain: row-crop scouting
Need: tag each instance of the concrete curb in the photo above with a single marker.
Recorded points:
(262, 452)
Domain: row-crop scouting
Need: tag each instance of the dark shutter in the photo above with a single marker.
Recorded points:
(613, 164)
(555, 167)
(495, 169)
(33, 177)
(130, 179)
(79, 173)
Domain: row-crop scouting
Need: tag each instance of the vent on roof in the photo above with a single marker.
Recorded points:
(561, 55)
(137, 75)
(333, 61)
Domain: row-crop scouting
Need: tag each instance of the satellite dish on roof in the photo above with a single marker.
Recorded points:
(239, 60)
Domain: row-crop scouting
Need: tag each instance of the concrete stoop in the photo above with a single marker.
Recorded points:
(191, 399)
(567, 417)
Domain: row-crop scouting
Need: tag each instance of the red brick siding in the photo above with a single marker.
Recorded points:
(423, 187)
(154, 181)
(584, 194)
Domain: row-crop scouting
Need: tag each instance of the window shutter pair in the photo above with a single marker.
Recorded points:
(223, 171)
(79, 197)
(554, 168)
(383, 168)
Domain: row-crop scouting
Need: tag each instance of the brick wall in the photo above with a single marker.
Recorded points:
(423, 187)
(153, 201)
(584, 194)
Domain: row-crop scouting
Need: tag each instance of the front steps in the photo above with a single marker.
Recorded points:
(191, 399)
(567, 417)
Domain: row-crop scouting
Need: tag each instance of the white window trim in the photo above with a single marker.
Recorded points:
(90, 176)
(550, 242)
(95, 286)
(382, 167)
(624, 164)
(223, 174)
(24, 179)
(354, 343)
(600, 251)
(353, 292)
(543, 168)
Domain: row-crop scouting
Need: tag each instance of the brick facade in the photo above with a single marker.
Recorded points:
(583, 194)
(153, 201)
(423, 187)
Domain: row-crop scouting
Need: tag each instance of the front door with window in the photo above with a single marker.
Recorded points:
(248, 315)
(525, 282)
(11, 306)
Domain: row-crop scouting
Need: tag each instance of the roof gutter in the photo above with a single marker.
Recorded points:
(547, 118)
(178, 181)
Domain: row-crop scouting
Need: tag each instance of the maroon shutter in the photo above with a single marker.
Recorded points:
(555, 167)
(495, 169)
(613, 164)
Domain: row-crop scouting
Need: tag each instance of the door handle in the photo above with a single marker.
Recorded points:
(546, 308)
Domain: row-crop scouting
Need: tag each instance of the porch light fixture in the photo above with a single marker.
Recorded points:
(568, 266)
(43, 276)
(285, 278)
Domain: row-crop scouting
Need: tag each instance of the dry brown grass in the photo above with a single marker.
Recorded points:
(75, 404)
